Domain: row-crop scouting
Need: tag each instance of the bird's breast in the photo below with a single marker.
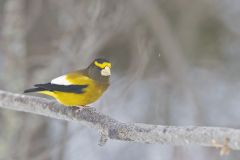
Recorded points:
(92, 93)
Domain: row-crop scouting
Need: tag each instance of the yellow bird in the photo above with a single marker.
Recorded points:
(78, 88)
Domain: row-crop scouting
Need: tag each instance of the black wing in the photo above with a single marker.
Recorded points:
(62, 88)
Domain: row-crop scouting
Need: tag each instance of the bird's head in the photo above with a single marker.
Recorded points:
(103, 65)
(100, 69)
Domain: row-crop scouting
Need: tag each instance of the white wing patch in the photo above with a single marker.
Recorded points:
(61, 81)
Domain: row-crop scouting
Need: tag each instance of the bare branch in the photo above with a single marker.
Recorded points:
(110, 128)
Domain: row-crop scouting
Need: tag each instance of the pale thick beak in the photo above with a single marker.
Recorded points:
(106, 71)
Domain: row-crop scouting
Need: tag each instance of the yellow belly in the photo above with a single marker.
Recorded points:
(91, 94)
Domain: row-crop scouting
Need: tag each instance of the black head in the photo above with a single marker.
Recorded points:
(100, 69)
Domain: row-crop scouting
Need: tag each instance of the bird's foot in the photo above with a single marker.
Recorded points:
(79, 108)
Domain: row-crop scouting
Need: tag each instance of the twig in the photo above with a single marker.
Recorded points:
(110, 128)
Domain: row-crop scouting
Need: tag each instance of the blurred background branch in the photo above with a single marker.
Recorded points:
(174, 62)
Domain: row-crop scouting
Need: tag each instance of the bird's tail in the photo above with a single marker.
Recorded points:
(34, 90)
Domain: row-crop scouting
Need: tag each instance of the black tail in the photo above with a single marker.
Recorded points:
(34, 90)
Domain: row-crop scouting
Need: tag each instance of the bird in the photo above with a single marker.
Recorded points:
(80, 87)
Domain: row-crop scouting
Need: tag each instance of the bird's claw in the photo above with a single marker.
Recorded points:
(80, 108)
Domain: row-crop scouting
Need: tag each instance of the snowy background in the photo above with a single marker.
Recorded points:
(173, 63)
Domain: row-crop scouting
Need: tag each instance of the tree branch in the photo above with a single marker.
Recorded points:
(110, 128)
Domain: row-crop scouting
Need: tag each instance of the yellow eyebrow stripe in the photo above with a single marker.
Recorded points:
(103, 65)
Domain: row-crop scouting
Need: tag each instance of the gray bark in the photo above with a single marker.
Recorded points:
(110, 128)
